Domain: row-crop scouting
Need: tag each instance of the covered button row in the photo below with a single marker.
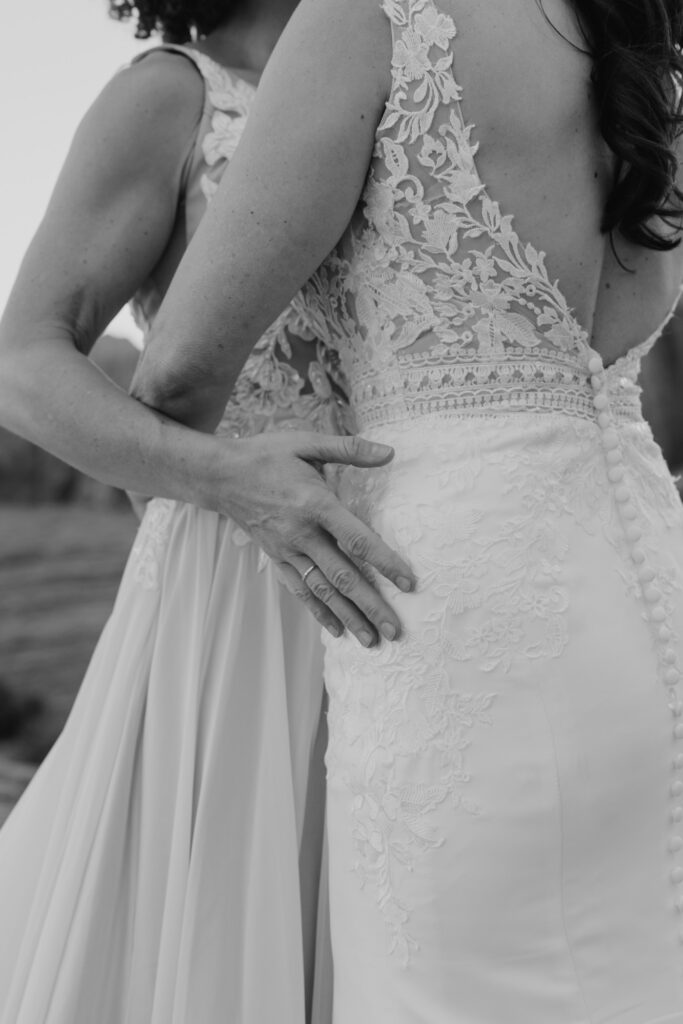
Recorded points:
(651, 593)
(629, 514)
(610, 441)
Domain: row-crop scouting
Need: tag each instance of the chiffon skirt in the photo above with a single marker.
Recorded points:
(164, 865)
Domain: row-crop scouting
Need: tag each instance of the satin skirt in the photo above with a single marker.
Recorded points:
(165, 864)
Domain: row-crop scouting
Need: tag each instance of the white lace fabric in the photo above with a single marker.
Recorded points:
(540, 660)
(440, 305)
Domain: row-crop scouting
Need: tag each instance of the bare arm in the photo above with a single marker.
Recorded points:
(282, 205)
(107, 224)
(105, 228)
(284, 202)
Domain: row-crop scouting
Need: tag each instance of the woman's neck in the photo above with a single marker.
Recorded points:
(246, 40)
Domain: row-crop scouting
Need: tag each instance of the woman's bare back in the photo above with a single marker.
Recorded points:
(526, 89)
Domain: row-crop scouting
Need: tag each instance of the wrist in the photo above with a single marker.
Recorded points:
(213, 473)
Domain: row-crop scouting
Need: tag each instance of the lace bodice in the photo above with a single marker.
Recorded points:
(291, 378)
(436, 302)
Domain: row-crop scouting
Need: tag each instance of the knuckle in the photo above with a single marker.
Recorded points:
(343, 580)
(322, 590)
(358, 546)
(353, 446)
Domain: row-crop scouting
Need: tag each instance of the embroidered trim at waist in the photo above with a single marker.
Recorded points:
(473, 400)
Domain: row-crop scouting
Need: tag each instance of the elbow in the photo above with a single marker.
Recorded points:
(180, 395)
(157, 385)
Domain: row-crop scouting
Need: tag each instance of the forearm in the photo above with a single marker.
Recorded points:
(53, 396)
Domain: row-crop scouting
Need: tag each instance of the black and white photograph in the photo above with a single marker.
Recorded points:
(341, 512)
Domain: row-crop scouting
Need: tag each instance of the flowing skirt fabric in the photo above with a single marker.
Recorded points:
(163, 866)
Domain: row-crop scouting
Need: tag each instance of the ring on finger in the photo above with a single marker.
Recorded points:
(308, 571)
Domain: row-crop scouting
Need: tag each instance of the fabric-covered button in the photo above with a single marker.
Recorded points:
(678, 762)
(614, 456)
(677, 788)
(675, 844)
(621, 494)
(595, 365)
(677, 815)
(672, 676)
(646, 574)
(628, 511)
(658, 614)
(600, 401)
(610, 438)
(669, 656)
(615, 474)
(677, 876)
(604, 420)
(664, 633)
(652, 594)
(633, 532)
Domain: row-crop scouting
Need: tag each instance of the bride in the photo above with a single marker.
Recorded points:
(482, 200)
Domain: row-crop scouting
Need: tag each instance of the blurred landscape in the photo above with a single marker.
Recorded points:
(64, 540)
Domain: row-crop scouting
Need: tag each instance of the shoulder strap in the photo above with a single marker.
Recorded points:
(185, 51)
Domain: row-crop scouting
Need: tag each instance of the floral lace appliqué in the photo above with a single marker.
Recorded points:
(377, 720)
(150, 543)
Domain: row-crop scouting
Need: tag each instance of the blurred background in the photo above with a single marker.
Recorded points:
(64, 538)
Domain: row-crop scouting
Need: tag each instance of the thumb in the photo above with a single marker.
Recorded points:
(352, 451)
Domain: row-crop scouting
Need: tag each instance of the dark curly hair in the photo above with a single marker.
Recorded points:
(637, 74)
(177, 21)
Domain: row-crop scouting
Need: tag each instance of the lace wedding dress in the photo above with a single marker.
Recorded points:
(505, 784)
(151, 872)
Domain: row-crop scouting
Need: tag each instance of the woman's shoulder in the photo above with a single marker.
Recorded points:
(163, 82)
(145, 119)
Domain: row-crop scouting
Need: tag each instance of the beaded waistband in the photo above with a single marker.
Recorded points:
(576, 400)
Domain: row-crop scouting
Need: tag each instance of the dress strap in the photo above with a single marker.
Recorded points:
(185, 51)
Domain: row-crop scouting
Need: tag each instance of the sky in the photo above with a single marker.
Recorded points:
(57, 55)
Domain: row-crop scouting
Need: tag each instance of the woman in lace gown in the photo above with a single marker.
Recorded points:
(162, 867)
(505, 783)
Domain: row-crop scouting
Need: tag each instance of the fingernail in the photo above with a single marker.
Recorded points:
(334, 630)
(367, 639)
(380, 450)
(404, 583)
(388, 631)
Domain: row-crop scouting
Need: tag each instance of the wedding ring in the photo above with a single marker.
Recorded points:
(309, 570)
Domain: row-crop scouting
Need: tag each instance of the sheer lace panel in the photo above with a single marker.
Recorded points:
(439, 304)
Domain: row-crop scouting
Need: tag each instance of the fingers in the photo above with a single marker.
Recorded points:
(364, 545)
(343, 608)
(353, 450)
(338, 583)
(297, 587)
